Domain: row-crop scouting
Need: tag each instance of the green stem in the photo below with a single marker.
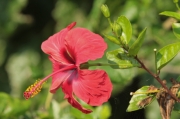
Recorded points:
(134, 93)
(63, 104)
(48, 100)
(177, 6)
(87, 65)
(155, 61)
(109, 20)
(99, 64)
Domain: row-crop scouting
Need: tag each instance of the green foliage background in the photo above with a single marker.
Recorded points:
(25, 24)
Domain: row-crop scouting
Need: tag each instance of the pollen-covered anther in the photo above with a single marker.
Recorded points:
(33, 89)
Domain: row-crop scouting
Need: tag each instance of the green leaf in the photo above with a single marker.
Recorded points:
(171, 14)
(166, 54)
(12, 107)
(112, 39)
(77, 114)
(4, 102)
(134, 49)
(177, 107)
(103, 111)
(176, 29)
(139, 101)
(178, 79)
(126, 29)
(119, 59)
(178, 93)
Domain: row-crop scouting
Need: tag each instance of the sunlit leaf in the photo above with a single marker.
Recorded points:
(112, 39)
(171, 14)
(176, 29)
(166, 54)
(126, 29)
(119, 59)
(133, 50)
(139, 101)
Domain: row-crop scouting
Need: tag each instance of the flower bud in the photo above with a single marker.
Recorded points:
(117, 29)
(105, 10)
(175, 1)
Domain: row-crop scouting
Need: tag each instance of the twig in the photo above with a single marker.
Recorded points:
(158, 79)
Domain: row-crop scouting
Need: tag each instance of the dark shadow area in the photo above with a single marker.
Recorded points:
(29, 36)
(120, 103)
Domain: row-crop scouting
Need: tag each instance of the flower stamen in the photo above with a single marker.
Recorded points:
(33, 89)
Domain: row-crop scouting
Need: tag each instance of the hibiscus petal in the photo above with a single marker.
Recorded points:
(54, 45)
(94, 87)
(56, 65)
(57, 79)
(67, 89)
(84, 45)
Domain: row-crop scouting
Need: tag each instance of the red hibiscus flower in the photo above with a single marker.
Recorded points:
(68, 50)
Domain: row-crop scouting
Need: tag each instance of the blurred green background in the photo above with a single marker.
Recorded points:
(25, 24)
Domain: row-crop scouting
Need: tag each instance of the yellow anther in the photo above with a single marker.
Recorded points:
(33, 89)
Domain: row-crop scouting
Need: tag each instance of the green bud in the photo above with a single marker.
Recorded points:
(123, 41)
(117, 29)
(105, 11)
(175, 1)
